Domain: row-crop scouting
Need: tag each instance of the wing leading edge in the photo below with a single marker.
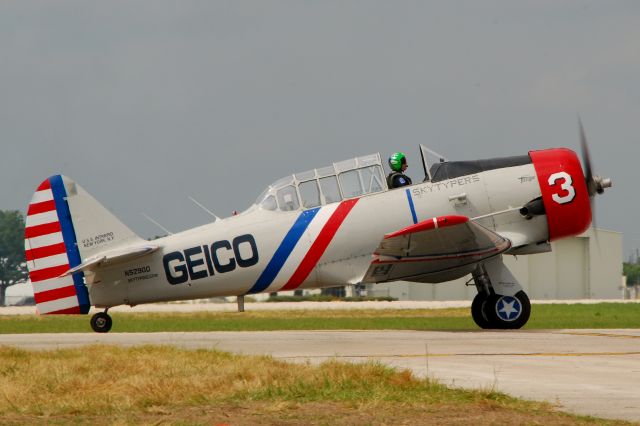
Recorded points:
(434, 250)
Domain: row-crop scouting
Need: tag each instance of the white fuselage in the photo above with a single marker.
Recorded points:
(268, 251)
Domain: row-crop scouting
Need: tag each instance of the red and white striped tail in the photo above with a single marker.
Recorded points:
(51, 250)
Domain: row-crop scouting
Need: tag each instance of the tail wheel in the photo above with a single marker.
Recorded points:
(478, 310)
(101, 322)
(507, 312)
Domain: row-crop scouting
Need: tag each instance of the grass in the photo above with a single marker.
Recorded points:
(167, 385)
(604, 315)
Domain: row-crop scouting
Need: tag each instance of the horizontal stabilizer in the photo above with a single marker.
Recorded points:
(110, 258)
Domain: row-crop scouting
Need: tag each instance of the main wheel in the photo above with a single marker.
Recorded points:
(508, 312)
(478, 310)
(101, 322)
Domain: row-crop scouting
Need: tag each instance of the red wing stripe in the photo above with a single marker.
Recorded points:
(320, 245)
(58, 293)
(46, 251)
(426, 225)
(48, 273)
(44, 206)
(44, 229)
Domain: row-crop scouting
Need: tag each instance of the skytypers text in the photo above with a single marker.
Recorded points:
(203, 261)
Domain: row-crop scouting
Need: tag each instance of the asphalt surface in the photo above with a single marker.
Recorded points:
(593, 372)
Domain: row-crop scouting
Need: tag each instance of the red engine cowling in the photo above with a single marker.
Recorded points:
(564, 191)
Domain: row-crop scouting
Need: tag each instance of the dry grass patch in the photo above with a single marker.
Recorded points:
(167, 385)
(314, 413)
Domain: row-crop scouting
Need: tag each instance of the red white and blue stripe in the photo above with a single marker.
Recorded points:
(51, 250)
(295, 257)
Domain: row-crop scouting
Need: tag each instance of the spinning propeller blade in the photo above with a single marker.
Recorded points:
(595, 184)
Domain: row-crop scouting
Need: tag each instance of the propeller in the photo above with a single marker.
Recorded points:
(595, 184)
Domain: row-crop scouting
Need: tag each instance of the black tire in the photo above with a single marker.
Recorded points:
(101, 322)
(508, 312)
(478, 310)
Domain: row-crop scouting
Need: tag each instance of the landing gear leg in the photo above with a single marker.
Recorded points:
(101, 322)
(500, 303)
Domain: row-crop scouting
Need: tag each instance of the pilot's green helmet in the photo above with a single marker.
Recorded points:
(396, 160)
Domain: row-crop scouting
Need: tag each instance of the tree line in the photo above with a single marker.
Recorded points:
(13, 265)
(632, 272)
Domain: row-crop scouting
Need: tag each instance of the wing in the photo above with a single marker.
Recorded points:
(431, 250)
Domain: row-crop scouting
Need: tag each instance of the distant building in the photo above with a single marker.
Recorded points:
(19, 294)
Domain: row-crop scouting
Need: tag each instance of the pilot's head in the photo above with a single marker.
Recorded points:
(398, 162)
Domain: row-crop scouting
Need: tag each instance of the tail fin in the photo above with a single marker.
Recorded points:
(65, 225)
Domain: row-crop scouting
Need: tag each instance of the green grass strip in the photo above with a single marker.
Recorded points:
(604, 315)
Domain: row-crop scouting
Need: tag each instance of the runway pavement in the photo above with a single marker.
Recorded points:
(594, 372)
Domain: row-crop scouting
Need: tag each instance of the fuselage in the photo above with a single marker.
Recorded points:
(264, 250)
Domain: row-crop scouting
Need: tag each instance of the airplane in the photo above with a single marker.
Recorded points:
(335, 225)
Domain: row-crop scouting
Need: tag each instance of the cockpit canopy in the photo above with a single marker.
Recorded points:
(346, 179)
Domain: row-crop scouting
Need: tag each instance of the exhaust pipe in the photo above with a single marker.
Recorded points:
(533, 208)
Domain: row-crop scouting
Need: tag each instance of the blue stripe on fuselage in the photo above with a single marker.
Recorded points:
(282, 253)
(69, 236)
(411, 206)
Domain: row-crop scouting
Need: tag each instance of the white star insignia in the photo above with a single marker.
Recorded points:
(508, 308)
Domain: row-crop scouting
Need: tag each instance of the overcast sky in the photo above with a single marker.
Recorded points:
(144, 103)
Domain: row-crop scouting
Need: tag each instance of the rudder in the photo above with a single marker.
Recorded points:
(65, 225)
(51, 250)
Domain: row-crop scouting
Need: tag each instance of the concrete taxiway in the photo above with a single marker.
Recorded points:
(593, 372)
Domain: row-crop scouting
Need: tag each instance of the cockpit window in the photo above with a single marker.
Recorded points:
(365, 180)
(269, 203)
(330, 189)
(372, 179)
(350, 184)
(309, 194)
(288, 198)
